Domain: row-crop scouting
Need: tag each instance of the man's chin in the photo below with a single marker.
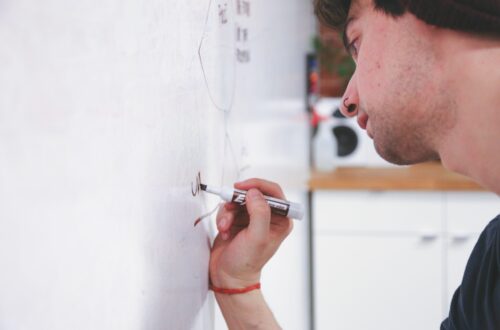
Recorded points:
(398, 158)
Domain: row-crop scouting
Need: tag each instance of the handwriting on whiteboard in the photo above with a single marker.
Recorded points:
(223, 13)
(196, 186)
(242, 32)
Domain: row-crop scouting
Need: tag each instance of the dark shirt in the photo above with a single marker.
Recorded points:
(476, 303)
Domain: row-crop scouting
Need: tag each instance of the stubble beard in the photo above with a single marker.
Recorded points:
(409, 126)
(404, 149)
(402, 139)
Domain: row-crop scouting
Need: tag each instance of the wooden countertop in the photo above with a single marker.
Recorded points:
(427, 176)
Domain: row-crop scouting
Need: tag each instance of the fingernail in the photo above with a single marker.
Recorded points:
(222, 223)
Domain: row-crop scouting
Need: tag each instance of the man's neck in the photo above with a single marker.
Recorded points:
(473, 146)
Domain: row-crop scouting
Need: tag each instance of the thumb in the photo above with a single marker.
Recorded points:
(260, 215)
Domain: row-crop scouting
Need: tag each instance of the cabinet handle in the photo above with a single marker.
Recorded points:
(428, 235)
(460, 236)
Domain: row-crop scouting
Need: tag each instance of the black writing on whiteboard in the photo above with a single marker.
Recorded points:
(243, 55)
(223, 14)
(243, 7)
(195, 186)
(241, 34)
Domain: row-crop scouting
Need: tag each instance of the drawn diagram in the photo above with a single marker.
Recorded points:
(216, 53)
(224, 45)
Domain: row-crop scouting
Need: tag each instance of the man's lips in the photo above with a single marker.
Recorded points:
(362, 120)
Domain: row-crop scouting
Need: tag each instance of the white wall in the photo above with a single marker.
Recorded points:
(106, 118)
(105, 121)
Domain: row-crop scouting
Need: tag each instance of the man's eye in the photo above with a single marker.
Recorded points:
(353, 49)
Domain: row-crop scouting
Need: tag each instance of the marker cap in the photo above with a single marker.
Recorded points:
(296, 211)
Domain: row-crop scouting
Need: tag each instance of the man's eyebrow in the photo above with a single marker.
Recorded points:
(345, 39)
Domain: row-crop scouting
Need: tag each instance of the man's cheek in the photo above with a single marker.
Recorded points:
(370, 82)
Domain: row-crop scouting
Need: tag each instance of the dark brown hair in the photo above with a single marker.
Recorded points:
(334, 12)
(477, 16)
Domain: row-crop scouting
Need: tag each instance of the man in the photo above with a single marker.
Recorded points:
(426, 87)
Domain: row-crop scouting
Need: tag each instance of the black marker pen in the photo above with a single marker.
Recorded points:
(278, 206)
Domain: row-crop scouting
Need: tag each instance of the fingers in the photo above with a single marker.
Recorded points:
(224, 225)
(260, 215)
(225, 218)
(230, 220)
(231, 206)
(282, 228)
(266, 187)
(232, 216)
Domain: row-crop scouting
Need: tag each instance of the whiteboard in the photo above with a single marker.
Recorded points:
(109, 111)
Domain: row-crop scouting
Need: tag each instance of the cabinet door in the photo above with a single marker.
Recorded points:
(377, 260)
(377, 211)
(467, 213)
(377, 282)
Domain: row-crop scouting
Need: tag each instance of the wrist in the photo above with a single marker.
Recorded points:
(215, 289)
(231, 282)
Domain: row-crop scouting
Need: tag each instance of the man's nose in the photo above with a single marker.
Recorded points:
(350, 100)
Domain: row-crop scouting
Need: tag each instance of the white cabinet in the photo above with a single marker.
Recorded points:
(387, 259)
(374, 282)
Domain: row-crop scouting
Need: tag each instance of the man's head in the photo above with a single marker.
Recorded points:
(400, 88)
(479, 16)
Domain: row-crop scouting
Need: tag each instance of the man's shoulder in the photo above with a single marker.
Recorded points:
(495, 222)
(488, 243)
(474, 304)
(491, 232)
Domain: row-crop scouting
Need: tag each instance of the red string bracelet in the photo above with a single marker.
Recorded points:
(234, 291)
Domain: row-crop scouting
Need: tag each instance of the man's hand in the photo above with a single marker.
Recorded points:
(248, 236)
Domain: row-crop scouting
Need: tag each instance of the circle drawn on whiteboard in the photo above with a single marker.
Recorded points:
(216, 53)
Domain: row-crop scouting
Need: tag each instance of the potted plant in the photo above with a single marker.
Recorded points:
(335, 65)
